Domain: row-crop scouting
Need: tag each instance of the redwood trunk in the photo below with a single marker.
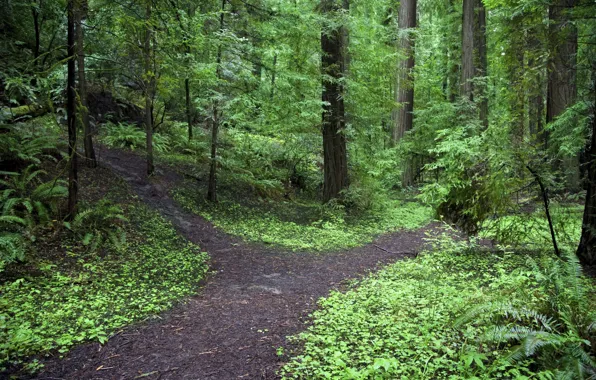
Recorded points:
(333, 65)
(71, 114)
(481, 60)
(405, 84)
(586, 252)
(562, 89)
(90, 159)
(467, 65)
(212, 187)
(403, 116)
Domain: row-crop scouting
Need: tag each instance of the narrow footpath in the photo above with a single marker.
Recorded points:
(231, 329)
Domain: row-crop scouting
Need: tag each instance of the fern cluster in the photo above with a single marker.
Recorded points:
(24, 145)
(123, 135)
(99, 224)
(26, 202)
(558, 332)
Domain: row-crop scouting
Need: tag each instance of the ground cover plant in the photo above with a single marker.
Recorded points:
(305, 226)
(302, 144)
(96, 295)
(409, 321)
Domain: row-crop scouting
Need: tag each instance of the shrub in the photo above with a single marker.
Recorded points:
(123, 135)
(98, 224)
(558, 332)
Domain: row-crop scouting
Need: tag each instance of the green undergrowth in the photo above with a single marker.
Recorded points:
(532, 230)
(94, 296)
(304, 226)
(400, 322)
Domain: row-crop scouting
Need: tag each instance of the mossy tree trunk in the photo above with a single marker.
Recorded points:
(149, 89)
(70, 112)
(333, 66)
(90, 159)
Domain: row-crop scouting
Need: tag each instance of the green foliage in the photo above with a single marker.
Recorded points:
(30, 142)
(124, 135)
(531, 229)
(558, 331)
(26, 203)
(399, 322)
(26, 196)
(305, 226)
(60, 308)
(98, 224)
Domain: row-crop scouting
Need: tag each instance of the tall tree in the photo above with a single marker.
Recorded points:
(149, 87)
(467, 63)
(403, 116)
(80, 13)
(453, 55)
(70, 112)
(212, 187)
(481, 64)
(333, 67)
(562, 88)
(406, 22)
(586, 252)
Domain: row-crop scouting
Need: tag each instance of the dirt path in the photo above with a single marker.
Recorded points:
(231, 329)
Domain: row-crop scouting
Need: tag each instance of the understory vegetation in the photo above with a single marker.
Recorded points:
(70, 281)
(457, 311)
(310, 126)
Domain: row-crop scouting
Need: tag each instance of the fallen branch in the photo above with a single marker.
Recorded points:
(415, 254)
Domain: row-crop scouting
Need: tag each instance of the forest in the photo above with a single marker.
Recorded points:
(298, 189)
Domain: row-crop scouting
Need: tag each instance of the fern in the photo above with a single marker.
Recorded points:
(123, 135)
(96, 225)
(20, 144)
(559, 334)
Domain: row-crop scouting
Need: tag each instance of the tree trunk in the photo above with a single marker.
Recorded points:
(562, 89)
(212, 187)
(37, 30)
(481, 60)
(333, 65)
(403, 116)
(405, 84)
(188, 107)
(467, 64)
(273, 74)
(90, 159)
(71, 114)
(536, 93)
(149, 84)
(586, 252)
(454, 59)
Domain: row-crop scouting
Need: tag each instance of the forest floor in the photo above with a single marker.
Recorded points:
(255, 297)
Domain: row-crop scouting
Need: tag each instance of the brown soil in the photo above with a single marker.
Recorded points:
(230, 330)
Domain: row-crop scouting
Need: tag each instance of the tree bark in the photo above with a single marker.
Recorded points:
(188, 107)
(586, 251)
(562, 89)
(481, 60)
(333, 66)
(403, 116)
(90, 159)
(454, 59)
(405, 85)
(149, 84)
(37, 30)
(71, 114)
(467, 65)
(536, 93)
(212, 187)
